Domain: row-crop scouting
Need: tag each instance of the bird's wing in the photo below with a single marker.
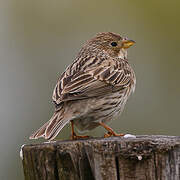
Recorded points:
(91, 82)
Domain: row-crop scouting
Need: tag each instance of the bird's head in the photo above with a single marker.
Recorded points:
(113, 44)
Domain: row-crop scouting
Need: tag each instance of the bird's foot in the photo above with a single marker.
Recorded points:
(75, 137)
(110, 131)
(109, 134)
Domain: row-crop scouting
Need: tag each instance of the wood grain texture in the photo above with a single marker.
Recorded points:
(116, 158)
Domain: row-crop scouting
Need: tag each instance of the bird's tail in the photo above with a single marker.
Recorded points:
(51, 129)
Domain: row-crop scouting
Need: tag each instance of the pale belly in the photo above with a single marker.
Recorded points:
(100, 109)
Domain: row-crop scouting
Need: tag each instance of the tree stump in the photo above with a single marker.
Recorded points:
(115, 158)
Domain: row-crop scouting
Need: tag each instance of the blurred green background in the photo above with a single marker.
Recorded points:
(39, 38)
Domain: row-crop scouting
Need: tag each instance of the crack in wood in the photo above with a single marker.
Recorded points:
(155, 166)
(117, 168)
(56, 168)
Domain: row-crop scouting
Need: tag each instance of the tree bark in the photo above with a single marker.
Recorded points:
(115, 158)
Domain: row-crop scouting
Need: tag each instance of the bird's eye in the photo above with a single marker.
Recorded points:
(114, 44)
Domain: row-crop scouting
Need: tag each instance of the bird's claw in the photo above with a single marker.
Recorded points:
(109, 134)
(75, 137)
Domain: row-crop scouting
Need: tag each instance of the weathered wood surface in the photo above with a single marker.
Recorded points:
(116, 158)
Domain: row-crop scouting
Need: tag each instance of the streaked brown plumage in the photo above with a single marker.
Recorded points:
(94, 88)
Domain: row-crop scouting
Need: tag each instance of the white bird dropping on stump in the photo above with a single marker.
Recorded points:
(129, 136)
(139, 157)
(21, 152)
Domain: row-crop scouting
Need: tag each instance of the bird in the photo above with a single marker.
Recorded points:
(93, 89)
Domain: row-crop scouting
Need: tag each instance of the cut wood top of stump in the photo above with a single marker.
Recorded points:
(142, 145)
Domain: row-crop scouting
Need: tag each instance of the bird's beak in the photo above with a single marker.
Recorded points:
(127, 43)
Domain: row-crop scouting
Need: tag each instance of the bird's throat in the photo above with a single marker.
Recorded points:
(122, 54)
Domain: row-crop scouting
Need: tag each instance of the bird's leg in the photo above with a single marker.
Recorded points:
(110, 131)
(73, 134)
